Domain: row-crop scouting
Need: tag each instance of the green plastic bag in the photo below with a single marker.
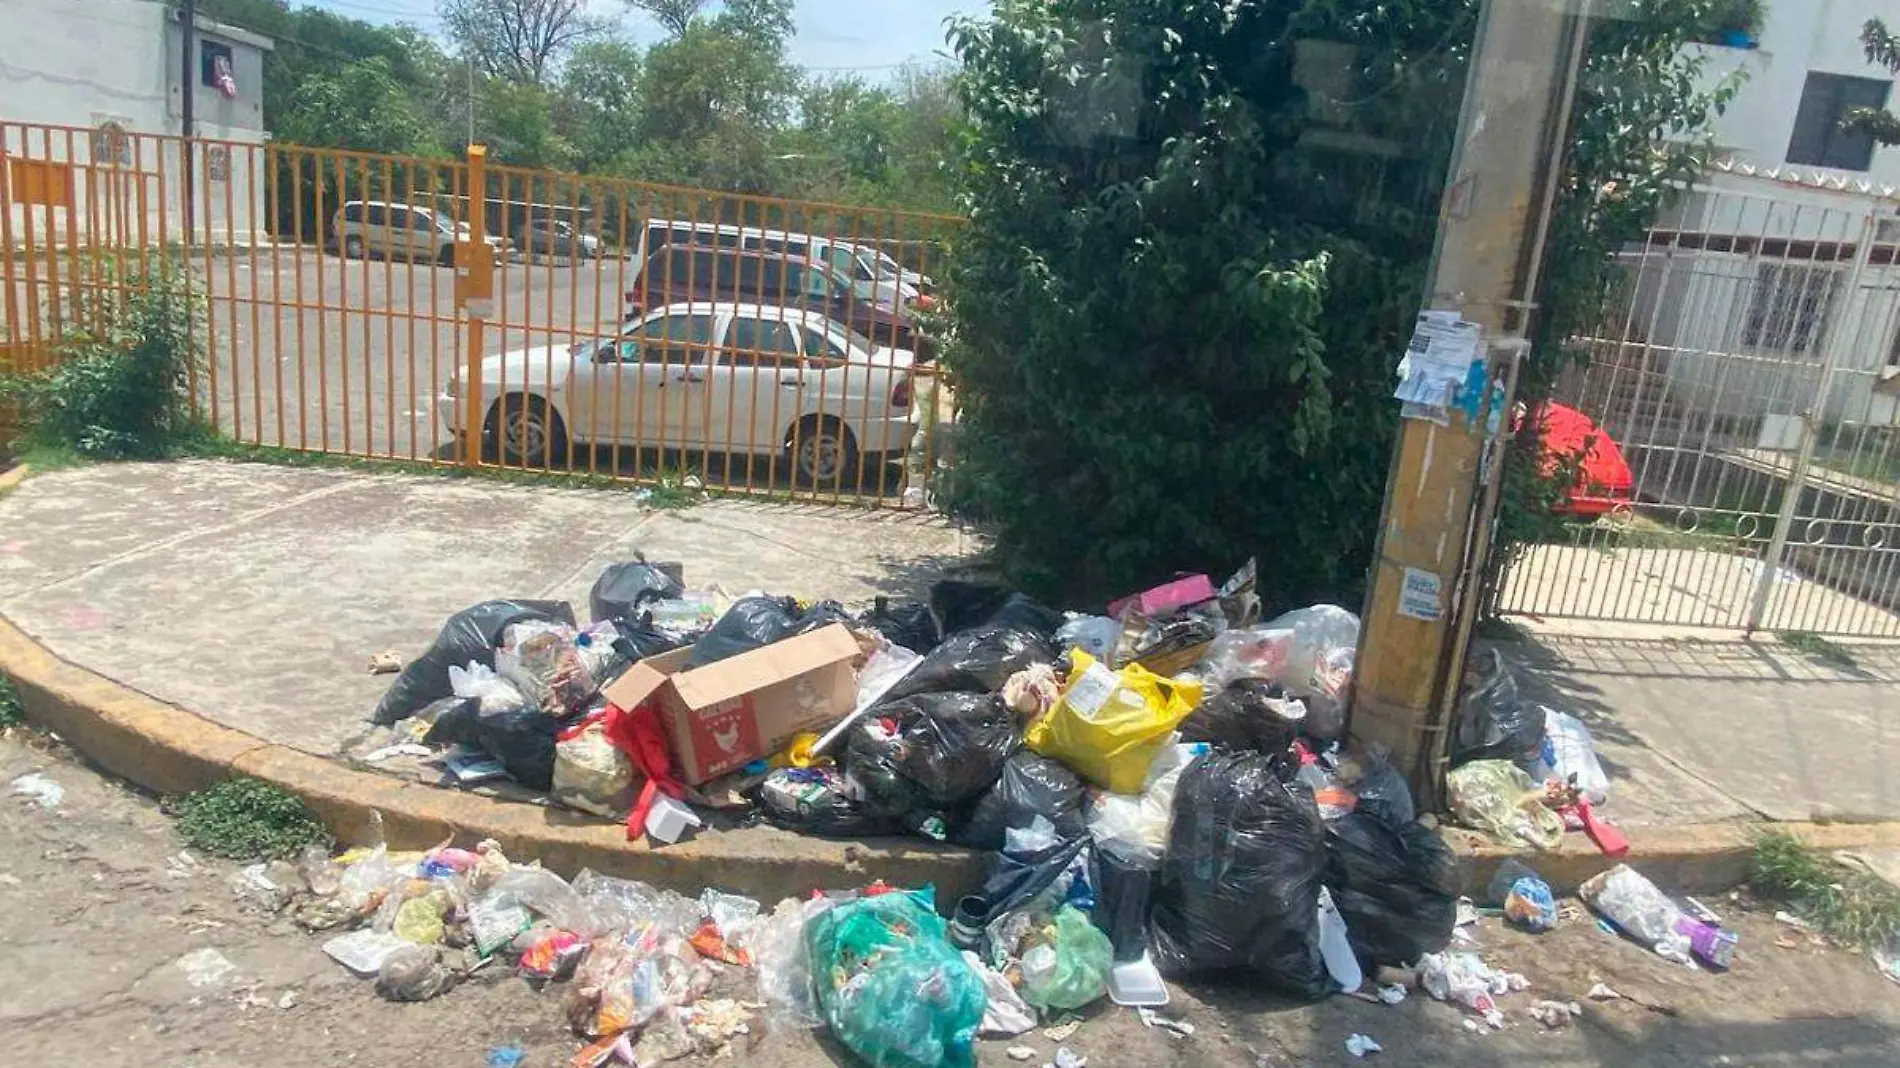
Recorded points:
(1072, 970)
(891, 987)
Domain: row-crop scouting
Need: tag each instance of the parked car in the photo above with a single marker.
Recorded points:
(873, 273)
(678, 273)
(556, 237)
(729, 377)
(364, 228)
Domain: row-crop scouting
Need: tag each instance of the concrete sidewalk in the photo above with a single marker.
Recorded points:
(255, 595)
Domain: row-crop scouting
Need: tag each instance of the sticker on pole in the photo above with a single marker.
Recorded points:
(1421, 596)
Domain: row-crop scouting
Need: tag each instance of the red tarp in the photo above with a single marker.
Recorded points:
(1603, 477)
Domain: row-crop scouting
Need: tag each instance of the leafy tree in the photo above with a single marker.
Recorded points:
(360, 106)
(520, 41)
(1883, 48)
(673, 15)
(598, 103)
(1199, 233)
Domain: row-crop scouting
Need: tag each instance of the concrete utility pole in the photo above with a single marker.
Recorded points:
(1441, 494)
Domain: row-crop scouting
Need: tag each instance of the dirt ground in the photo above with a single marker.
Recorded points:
(100, 915)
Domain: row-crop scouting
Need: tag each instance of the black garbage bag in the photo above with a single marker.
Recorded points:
(905, 623)
(750, 623)
(974, 661)
(1030, 786)
(635, 639)
(624, 587)
(946, 749)
(821, 614)
(1396, 886)
(1238, 890)
(963, 605)
(1383, 793)
(472, 634)
(1017, 878)
(1121, 903)
(1494, 723)
(818, 801)
(521, 737)
(1244, 716)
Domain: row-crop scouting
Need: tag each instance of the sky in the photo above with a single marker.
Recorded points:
(861, 36)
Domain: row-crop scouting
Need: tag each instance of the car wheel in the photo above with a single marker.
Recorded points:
(353, 247)
(823, 452)
(525, 431)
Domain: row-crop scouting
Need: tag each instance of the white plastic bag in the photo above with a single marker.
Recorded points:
(1094, 635)
(1134, 827)
(1007, 1014)
(480, 681)
(1569, 751)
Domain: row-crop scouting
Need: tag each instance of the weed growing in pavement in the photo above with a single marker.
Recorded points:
(1848, 905)
(245, 819)
(12, 711)
(118, 386)
(1815, 647)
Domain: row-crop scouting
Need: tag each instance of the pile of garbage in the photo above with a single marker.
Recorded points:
(1164, 787)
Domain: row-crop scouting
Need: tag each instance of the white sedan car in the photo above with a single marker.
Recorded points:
(730, 378)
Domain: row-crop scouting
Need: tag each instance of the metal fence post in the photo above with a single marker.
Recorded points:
(474, 286)
(1838, 340)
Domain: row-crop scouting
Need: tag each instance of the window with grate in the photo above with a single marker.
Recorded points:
(1790, 307)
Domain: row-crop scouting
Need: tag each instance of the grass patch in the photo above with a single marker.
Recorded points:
(245, 819)
(1852, 907)
(1815, 647)
(12, 709)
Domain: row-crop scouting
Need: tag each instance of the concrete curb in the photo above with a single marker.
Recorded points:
(11, 479)
(169, 750)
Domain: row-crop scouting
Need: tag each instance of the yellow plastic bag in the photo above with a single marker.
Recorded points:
(1497, 798)
(1109, 726)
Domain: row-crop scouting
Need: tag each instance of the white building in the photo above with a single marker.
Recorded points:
(91, 115)
(1743, 292)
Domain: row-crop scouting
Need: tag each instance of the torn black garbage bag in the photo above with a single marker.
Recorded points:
(520, 736)
(624, 587)
(1396, 887)
(931, 751)
(1238, 890)
(962, 605)
(1494, 723)
(472, 634)
(974, 661)
(1030, 786)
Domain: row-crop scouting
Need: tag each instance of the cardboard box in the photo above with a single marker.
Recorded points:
(723, 716)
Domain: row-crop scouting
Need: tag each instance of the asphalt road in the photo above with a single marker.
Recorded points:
(350, 356)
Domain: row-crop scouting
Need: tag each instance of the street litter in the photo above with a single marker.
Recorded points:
(1467, 980)
(1151, 1018)
(1068, 1058)
(1359, 1045)
(39, 789)
(1645, 913)
(1602, 992)
(207, 968)
(1021, 1053)
(385, 664)
(1554, 1014)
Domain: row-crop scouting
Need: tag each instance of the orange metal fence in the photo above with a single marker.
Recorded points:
(399, 308)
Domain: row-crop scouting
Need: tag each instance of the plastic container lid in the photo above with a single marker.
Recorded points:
(1137, 984)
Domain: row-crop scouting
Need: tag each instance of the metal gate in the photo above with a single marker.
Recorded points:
(346, 307)
(1748, 372)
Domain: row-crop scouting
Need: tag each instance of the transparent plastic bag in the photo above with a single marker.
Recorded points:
(546, 895)
(493, 693)
(1569, 754)
(623, 905)
(1071, 969)
(1496, 797)
(544, 663)
(783, 960)
(1641, 910)
(1319, 664)
(470, 635)
(590, 774)
(891, 987)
